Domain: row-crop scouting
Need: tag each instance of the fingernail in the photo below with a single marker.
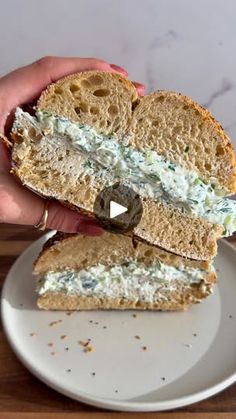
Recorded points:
(89, 228)
(140, 91)
(139, 85)
(119, 69)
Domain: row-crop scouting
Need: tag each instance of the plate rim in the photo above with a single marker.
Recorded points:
(117, 405)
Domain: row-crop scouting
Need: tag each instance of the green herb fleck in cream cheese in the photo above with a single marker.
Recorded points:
(148, 173)
(132, 280)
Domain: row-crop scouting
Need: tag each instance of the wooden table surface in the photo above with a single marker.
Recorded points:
(24, 396)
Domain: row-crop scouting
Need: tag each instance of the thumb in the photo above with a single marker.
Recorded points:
(19, 205)
(63, 219)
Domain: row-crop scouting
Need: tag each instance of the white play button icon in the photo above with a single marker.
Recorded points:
(116, 209)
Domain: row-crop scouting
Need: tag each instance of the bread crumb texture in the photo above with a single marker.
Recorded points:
(79, 252)
(100, 99)
(167, 122)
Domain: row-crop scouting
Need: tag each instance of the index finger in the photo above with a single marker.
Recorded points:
(26, 83)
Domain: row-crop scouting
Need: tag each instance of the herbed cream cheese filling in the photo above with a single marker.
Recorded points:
(133, 280)
(148, 173)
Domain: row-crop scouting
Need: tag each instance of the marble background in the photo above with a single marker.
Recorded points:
(185, 45)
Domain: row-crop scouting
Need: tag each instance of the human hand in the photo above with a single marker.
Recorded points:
(18, 204)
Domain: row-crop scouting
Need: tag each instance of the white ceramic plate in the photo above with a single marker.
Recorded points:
(189, 355)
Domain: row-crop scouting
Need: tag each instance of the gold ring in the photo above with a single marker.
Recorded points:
(42, 224)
